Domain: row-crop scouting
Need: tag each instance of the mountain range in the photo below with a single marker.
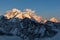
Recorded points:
(27, 25)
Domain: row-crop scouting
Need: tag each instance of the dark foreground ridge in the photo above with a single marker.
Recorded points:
(27, 28)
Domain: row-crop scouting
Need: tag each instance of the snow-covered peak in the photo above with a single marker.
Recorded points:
(12, 13)
(14, 10)
(26, 13)
(19, 14)
(53, 19)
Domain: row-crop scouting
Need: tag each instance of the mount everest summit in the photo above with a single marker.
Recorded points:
(27, 25)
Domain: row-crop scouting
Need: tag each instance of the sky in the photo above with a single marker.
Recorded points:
(44, 8)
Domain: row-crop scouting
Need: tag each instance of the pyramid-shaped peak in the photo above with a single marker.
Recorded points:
(53, 19)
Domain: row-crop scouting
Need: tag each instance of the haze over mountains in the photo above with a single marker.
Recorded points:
(27, 25)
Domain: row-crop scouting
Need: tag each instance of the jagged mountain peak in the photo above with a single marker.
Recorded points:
(14, 10)
(26, 13)
(53, 19)
(19, 14)
(11, 13)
